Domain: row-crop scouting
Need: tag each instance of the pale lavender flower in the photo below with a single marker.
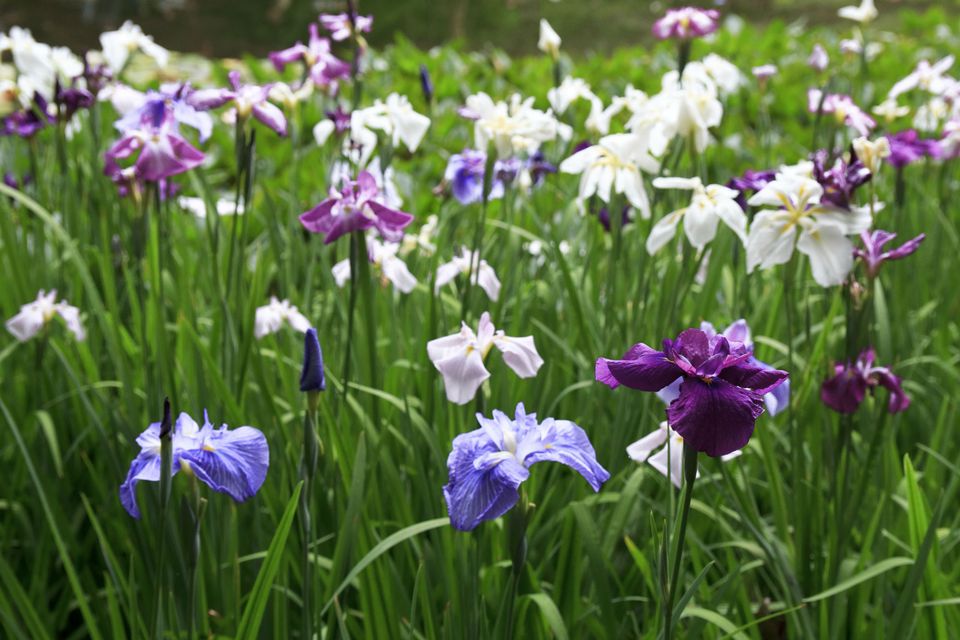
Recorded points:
(248, 99)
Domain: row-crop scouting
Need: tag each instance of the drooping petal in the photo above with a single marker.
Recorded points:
(641, 368)
(566, 443)
(830, 253)
(520, 354)
(146, 466)
(395, 270)
(271, 115)
(231, 461)
(670, 392)
(716, 418)
(750, 375)
(663, 231)
(463, 373)
(899, 400)
(770, 241)
(844, 391)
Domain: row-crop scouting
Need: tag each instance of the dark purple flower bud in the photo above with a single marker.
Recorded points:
(604, 217)
(340, 119)
(311, 375)
(873, 254)
(70, 100)
(426, 85)
(906, 147)
(538, 167)
(750, 181)
(845, 391)
(95, 77)
(166, 424)
(28, 122)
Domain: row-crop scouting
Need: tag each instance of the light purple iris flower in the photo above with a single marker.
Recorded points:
(233, 462)
(906, 147)
(248, 99)
(488, 465)
(174, 101)
(873, 254)
(721, 393)
(354, 207)
(843, 108)
(340, 28)
(737, 333)
(162, 151)
(686, 23)
(848, 387)
(324, 68)
(465, 172)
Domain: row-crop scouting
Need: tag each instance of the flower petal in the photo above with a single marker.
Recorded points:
(520, 354)
(566, 443)
(716, 418)
(232, 461)
(641, 368)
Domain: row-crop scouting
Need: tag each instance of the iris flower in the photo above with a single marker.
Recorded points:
(907, 147)
(271, 317)
(669, 459)
(863, 13)
(34, 316)
(355, 207)
(800, 219)
(515, 128)
(738, 335)
(843, 109)
(710, 204)
(483, 274)
(464, 174)
(340, 26)
(721, 394)
(459, 357)
(233, 462)
(549, 41)
(488, 465)
(614, 163)
(926, 76)
(323, 68)
(161, 150)
(818, 60)
(118, 45)
(873, 255)
(871, 152)
(849, 385)
(383, 256)
(686, 23)
(247, 99)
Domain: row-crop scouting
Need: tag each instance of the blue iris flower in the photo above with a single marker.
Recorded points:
(488, 465)
(233, 462)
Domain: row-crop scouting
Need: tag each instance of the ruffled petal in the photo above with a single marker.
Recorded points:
(565, 442)
(232, 461)
(716, 418)
(641, 368)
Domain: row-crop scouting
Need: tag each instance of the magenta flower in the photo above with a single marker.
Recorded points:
(353, 208)
(843, 109)
(686, 23)
(324, 68)
(721, 392)
(161, 150)
(906, 147)
(845, 391)
(873, 254)
(340, 27)
(248, 99)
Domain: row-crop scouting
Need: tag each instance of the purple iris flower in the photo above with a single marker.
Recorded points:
(340, 119)
(841, 180)
(233, 462)
(341, 27)
(175, 105)
(465, 174)
(538, 167)
(721, 394)
(324, 68)
(26, 123)
(353, 208)
(488, 465)
(873, 254)
(162, 151)
(604, 217)
(95, 76)
(70, 100)
(737, 333)
(750, 181)
(686, 23)
(249, 99)
(848, 387)
(906, 147)
(311, 375)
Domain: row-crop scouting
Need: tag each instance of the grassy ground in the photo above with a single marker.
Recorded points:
(826, 527)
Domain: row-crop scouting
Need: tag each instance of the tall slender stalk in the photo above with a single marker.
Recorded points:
(166, 473)
(680, 534)
(308, 471)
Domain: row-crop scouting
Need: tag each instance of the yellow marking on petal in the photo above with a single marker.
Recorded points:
(207, 447)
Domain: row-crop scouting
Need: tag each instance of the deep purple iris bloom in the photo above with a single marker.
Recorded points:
(26, 123)
(841, 180)
(353, 208)
(488, 465)
(721, 394)
(906, 147)
(162, 151)
(737, 333)
(70, 100)
(750, 181)
(686, 23)
(340, 119)
(127, 180)
(848, 387)
(95, 76)
(248, 99)
(324, 68)
(873, 254)
(340, 27)
(538, 167)
(465, 172)
(233, 462)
